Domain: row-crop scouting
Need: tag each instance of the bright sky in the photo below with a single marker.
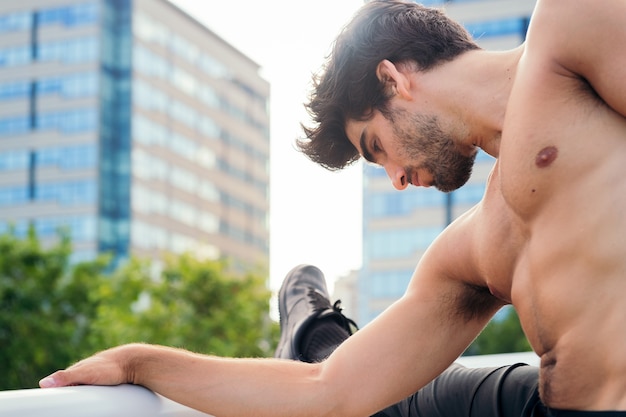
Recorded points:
(315, 214)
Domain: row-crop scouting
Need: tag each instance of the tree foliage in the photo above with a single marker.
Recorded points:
(53, 313)
(193, 304)
(503, 334)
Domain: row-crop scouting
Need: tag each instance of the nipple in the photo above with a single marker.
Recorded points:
(546, 156)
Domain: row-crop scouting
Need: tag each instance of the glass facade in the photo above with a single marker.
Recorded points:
(120, 122)
(42, 115)
(202, 109)
(115, 131)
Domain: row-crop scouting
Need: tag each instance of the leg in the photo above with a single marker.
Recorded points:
(509, 391)
(311, 328)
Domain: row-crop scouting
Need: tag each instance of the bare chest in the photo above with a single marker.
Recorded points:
(559, 143)
(561, 180)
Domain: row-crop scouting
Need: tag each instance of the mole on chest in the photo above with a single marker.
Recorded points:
(546, 156)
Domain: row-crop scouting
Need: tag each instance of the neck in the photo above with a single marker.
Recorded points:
(482, 94)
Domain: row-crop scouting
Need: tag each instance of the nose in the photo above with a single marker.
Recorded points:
(398, 177)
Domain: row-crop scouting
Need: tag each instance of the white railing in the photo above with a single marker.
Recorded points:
(90, 401)
(136, 401)
(499, 359)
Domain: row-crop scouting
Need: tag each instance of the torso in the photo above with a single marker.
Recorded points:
(552, 229)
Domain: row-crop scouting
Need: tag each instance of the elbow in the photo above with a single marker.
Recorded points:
(336, 396)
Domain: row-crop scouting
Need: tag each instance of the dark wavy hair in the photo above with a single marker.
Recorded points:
(348, 88)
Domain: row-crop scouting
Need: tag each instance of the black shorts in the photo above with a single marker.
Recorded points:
(507, 391)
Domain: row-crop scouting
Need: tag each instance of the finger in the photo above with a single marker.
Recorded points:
(54, 380)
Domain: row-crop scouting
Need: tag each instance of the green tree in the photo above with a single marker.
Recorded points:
(43, 313)
(53, 313)
(503, 334)
(196, 304)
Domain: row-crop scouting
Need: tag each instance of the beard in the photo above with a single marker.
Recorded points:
(421, 137)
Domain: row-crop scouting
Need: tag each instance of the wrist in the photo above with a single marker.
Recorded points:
(129, 359)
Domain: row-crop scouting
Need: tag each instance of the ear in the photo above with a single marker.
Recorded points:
(395, 81)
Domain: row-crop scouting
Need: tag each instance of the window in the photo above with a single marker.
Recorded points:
(13, 195)
(14, 160)
(70, 121)
(76, 85)
(184, 48)
(469, 194)
(393, 203)
(11, 126)
(184, 114)
(389, 284)
(69, 51)
(73, 15)
(150, 98)
(14, 22)
(67, 193)
(14, 56)
(81, 228)
(69, 157)
(14, 90)
(388, 244)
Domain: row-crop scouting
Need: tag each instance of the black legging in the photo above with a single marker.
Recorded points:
(507, 391)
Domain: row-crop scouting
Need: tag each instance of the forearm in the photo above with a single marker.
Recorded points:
(227, 387)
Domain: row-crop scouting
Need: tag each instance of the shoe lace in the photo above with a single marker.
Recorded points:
(321, 303)
(318, 300)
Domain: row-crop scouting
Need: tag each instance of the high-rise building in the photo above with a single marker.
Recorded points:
(399, 226)
(134, 126)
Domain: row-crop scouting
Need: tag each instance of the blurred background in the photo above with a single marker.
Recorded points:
(150, 189)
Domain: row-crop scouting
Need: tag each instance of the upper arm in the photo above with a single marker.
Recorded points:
(450, 273)
(419, 336)
(586, 38)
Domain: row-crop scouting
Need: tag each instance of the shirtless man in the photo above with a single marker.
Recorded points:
(549, 235)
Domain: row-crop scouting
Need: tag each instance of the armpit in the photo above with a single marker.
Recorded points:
(474, 302)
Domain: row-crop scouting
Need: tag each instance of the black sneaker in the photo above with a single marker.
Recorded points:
(302, 299)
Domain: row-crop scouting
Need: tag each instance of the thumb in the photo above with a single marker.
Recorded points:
(54, 380)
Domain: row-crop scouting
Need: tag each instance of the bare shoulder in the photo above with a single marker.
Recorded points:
(583, 38)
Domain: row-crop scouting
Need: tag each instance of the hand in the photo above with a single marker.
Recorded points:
(104, 368)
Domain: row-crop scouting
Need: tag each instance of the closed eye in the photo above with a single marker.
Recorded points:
(364, 149)
(376, 146)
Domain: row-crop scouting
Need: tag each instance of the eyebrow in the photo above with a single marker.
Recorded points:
(365, 150)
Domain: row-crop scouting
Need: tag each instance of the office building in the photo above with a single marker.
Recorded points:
(399, 226)
(135, 127)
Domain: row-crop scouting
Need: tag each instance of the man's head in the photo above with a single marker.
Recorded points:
(349, 88)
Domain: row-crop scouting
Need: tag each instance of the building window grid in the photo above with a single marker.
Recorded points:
(180, 144)
(390, 283)
(153, 99)
(153, 64)
(389, 244)
(74, 51)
